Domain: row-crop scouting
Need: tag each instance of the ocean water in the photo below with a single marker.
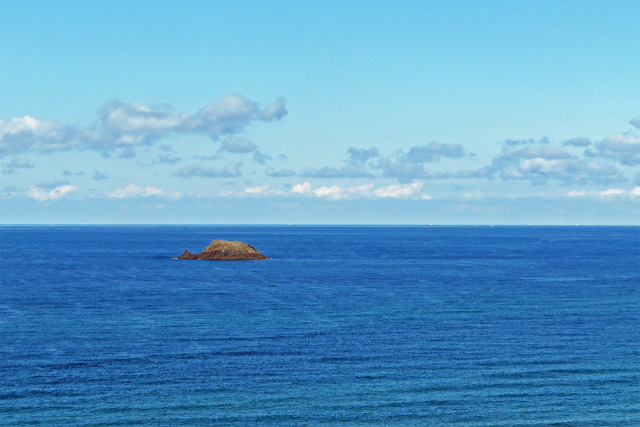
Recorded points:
(473, 326)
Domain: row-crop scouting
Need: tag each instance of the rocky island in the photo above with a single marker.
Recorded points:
(225, 250)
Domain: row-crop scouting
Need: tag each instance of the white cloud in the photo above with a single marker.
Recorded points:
(280, 173)
(613, 192)
(434, 151)
(228, 115)
(334, 192)
(406, 167)
(356, 166)
(541, 163)
(578, 193)
(132, 191)
(137, 119)
(399, 191)
(129, 124)
(275, 111)
(231, 170)
(234, 144)
(339, 192)
(476, 195)
(608, 193)
(623, 147)
(349, 171)
(20, 134)
(42, 194)
(18, 162)
(304, 188)
(258, 189)
(261, 158)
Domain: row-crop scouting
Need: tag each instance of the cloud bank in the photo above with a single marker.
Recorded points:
(43, 194)
(340, 192)
(541, 163)
(126, 125)
(231, 170)
(135, 191)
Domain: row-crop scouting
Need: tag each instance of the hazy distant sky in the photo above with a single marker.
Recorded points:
(388, 112)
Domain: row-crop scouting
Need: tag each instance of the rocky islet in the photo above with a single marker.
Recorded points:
(224, 250)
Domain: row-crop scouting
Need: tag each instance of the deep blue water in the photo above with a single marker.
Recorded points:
(381, 326)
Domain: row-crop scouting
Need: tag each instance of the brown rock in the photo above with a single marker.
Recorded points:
(225, 250)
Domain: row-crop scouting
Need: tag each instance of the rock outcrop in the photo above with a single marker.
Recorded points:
(224, 250)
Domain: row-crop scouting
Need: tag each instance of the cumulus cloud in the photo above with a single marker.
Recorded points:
(162, 158)
(396, 191)
(18, 162)
(304, 188)
(133, 124)
(577, 142)
(535, 160)
(341, 192)
(166, 159)
(483, 172)
(333, 192)
(475, 195)
(275, 111)
(10, 191)
(262, 189)
(226, 116)
(608, 193)
(409, 166)
(43, 194)
(231, 170)
(399, 191)
(349, 171)
(398, 166)
(21, 134)
(404, 166)
(356, 166)
(52, 183)
(623, 147)
(529, 141)
(166, 156)
(134, 191)
(282, 173)
(260, 157)
(207, 158)
(541, 163)
(636, 122)
(234, 144)
(127, 153)
(360, 156)
(434, 151)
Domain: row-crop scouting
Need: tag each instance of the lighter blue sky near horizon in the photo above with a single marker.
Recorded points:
(380, 112)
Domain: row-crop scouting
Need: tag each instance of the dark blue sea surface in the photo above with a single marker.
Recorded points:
(475, 326)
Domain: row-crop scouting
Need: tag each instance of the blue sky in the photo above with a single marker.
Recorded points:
(379, 112)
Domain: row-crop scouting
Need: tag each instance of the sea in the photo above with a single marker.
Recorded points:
(343, 325)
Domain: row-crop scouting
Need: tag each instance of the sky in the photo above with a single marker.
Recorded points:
(320, 112)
